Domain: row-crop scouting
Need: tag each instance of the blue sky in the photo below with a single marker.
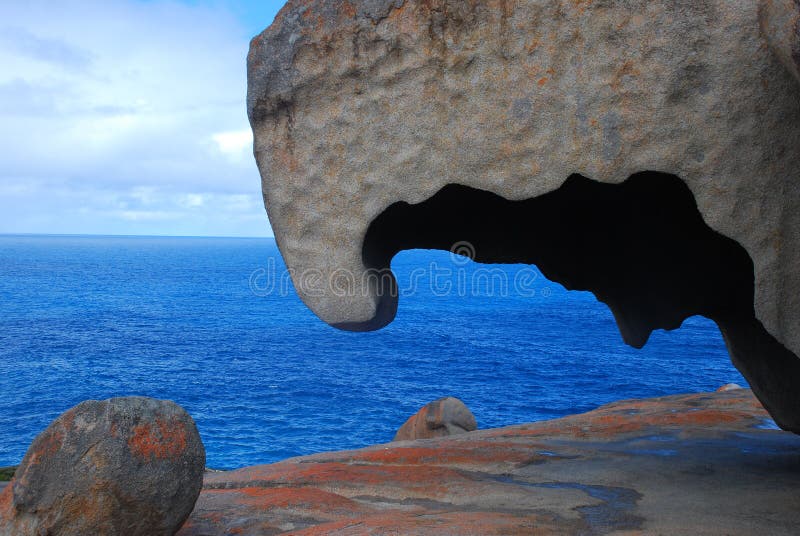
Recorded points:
(128, 117)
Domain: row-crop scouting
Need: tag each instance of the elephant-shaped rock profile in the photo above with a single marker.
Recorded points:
(645, 150)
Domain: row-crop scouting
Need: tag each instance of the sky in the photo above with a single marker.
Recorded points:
(128, 117)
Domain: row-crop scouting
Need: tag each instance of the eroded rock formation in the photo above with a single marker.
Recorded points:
(124, 466)
(440, 418)
(647, 151)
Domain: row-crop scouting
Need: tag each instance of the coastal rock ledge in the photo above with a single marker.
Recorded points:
(688, 464)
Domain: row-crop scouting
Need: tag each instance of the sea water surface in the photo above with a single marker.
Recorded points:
(213, 324)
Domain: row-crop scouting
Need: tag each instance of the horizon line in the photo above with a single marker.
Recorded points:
(105, 235)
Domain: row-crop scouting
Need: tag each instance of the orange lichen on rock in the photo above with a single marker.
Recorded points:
(470, 453)
(444, 524)
(167, 442)
(84, 473)
(616, 424)
(347, 9)
(294, 498)
(50, 443)
(611, 470)
(421, 480)
(6, 502)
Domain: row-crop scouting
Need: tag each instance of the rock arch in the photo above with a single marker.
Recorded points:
(641, 246)
(358, 107)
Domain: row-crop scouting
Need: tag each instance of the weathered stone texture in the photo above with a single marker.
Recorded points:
(124, 466)
(689, 464)
(780, 23)
(351, 115)
(358, 105)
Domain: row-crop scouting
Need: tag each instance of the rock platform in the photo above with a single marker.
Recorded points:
(686, 464)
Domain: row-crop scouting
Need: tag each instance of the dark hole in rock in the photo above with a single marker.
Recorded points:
(640, 246)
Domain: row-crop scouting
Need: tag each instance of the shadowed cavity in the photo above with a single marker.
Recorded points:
(641, 247)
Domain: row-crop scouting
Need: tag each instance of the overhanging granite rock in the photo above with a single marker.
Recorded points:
(378, 122)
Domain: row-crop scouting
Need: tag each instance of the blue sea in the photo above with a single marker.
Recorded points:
(213, 324)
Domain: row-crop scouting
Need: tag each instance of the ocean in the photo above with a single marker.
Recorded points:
(213, 324)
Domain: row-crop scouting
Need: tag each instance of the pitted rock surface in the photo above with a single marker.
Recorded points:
(363, 106)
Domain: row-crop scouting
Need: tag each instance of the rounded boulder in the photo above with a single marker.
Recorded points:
(124, 466)
(443, 417)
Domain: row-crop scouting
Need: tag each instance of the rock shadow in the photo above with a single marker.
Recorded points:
(641, 247)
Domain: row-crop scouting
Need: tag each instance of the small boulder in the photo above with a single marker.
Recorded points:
(443, 417)
(729, 387)
(124, 466)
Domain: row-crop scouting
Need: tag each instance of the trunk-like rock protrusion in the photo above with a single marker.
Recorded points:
(377, 122)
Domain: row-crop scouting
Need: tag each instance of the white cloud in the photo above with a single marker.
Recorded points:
(193, 201)
(237, 145)
(147, 215)
(132, 112)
